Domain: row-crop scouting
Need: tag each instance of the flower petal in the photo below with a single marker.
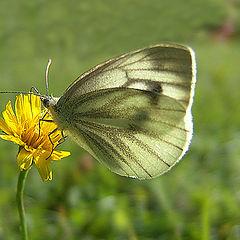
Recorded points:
(19, 109)
(4, 127)
(24, 159)
(11, 138)
(10, 118)
(35, 105)
(43, 165)
(27, 108)
(58, 155)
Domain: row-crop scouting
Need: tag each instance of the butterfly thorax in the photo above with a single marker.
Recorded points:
(59, 114)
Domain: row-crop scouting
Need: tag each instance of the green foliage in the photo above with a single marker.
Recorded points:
(198, 198)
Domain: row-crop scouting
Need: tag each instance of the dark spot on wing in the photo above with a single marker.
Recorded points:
(154, 97)
(154, 86)
(138, 121)
(147, 84)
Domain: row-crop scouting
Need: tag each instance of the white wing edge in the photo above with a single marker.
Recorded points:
(188, 118)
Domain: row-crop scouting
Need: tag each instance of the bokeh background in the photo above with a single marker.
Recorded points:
(200, 197)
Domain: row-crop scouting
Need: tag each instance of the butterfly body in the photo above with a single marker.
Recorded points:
(132, 113)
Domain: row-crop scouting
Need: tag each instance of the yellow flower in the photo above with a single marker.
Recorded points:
(23, 129)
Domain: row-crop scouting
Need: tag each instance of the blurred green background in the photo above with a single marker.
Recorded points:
(200, 197)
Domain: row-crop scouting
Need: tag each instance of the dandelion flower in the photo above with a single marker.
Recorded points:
(35, 145)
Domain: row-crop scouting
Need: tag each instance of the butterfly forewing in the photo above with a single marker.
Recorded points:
(132, 113)
(166, 69)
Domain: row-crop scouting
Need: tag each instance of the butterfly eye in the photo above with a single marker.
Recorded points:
(45, 102)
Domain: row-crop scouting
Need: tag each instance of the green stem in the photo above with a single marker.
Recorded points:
(19, 197)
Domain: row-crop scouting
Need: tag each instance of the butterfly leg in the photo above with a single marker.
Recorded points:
(62, 138)
(59, 142)
(34, 89)
(43, 120)
(50, 139)
(49, 135)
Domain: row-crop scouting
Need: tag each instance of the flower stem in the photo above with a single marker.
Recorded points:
(19, 197)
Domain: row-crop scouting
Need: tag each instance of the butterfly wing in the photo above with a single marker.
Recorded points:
(133, 132)
(166, 68)
(133, 113)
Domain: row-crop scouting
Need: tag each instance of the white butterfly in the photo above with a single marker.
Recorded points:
(133, 112)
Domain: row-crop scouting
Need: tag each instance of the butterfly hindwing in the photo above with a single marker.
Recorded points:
(133, 132)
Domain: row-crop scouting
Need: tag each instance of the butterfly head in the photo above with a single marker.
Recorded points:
(48, 101)
(45, 101)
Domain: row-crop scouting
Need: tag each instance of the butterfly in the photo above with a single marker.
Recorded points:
(132, 113)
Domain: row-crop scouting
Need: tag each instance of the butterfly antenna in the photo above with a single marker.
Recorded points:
(47, 71)
(18, 92)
